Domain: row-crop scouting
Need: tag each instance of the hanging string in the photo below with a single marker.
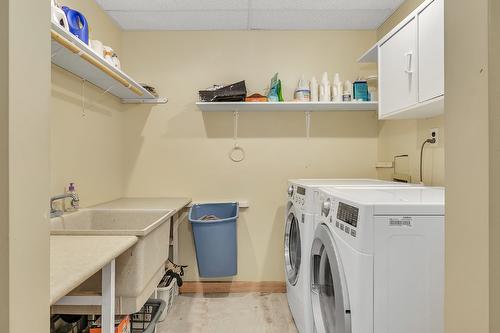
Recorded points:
(236, 117)
(83, 99)
(237, 154)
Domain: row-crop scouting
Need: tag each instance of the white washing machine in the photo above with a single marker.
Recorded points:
(301, 208)
(377, 261)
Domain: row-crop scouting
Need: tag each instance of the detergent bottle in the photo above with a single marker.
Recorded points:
(325, 93)
(78, 25)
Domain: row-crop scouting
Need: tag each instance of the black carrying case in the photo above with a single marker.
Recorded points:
(236, 92)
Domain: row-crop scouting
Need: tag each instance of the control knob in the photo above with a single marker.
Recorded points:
(325, 209)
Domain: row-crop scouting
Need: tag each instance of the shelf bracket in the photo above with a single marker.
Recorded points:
(55, 53)
(308, 124)
(107, 90)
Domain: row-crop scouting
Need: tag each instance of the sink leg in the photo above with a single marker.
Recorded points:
(108, 298)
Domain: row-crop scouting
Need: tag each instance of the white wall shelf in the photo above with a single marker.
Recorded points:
(71, 54)
(286, 106)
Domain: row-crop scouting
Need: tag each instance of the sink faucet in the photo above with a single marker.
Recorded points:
(74, 203)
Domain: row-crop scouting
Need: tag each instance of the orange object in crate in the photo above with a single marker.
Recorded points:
(122, 325)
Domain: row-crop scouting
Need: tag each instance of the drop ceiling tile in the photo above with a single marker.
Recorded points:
(181, 20)
(317, 19)
(264, 14)
(172, 5)
(325, 4)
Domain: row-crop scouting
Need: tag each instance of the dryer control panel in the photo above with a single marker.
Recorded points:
(347, 218)
(297, 195)
(341, 216)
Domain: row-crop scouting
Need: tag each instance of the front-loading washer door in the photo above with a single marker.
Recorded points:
(329, 295)
(293, 252)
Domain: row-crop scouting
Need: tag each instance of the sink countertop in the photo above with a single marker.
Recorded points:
(74, 259)
(173, 203)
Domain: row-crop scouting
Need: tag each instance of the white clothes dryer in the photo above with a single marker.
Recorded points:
(377, 261)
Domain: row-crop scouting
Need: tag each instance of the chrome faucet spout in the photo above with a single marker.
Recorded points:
(57, 212)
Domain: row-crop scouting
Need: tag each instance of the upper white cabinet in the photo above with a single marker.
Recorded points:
(398, 70)
(431, 51)
(411, 65)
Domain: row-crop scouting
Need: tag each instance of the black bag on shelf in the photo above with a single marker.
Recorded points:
(236, 92)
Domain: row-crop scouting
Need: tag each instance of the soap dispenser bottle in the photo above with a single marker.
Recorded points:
(325, 94)
(75, 200)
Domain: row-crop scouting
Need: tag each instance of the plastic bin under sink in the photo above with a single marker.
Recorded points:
(139, 269)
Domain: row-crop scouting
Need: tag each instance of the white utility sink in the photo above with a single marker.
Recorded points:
(139, 269)
(109, 222)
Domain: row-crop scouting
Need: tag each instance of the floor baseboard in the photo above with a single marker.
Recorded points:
(204, 287)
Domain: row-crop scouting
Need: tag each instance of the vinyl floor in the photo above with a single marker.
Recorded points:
(229, 313)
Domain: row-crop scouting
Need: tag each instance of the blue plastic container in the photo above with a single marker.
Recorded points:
(215, 240)
(360, 91)
(77, 23)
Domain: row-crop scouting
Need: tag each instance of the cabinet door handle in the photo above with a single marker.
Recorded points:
(409, 56)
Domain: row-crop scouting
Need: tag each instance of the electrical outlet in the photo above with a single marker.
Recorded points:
(434, 134)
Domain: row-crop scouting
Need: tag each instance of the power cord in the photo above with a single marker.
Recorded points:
(431, 141)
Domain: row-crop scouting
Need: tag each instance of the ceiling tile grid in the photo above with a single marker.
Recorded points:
(249, 14)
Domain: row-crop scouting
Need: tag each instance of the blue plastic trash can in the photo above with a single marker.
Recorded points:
(215, 238)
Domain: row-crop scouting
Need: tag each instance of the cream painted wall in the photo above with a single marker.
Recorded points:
(406, 8)
(174, 149)
(467, 167)
(494, 120)
(87, 135)
(28, 159)
(398, 137)
(4, 162)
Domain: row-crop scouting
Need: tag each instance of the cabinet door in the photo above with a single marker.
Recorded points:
(398, 70)
(431, 51)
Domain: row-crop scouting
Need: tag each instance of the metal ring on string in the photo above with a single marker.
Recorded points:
(237, 154)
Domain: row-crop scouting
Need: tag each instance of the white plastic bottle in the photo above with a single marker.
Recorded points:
(325, 94)
(302, 93)
(337, 88)
(313, 86)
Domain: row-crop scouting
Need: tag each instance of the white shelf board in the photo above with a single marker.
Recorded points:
(370, 56)
(286, 106)
(76, 64)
